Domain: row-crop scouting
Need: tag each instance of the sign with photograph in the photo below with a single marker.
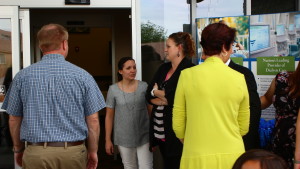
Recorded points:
(266, 44)
(265, 35)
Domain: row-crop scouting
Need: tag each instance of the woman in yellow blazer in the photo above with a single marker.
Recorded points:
(211, 106)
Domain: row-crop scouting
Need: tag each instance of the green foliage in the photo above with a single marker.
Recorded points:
(152, 32)
(243, 23)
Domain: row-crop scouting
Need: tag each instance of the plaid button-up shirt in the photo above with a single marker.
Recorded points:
(53, 96)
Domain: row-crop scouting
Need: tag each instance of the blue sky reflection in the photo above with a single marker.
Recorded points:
(219, 8)
(172, 14)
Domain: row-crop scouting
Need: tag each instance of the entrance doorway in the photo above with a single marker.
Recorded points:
(97, 39)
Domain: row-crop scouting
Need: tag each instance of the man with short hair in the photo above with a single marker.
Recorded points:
(53, 107)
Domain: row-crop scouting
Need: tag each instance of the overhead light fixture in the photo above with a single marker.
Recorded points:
(77, 2)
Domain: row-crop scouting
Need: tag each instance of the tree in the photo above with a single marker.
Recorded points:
(243, 23)
(152, 32)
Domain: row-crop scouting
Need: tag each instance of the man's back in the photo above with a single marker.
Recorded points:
(54, 94)
(53, 107)
(251, 139)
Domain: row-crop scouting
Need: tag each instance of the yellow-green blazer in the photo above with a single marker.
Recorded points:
(211, 113)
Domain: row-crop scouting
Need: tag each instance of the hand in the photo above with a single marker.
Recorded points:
(296, 166)
(109, 147)
(155, 86)
(240, 46)
(161, 94)
(182, 140)
(19, 157)
(92, 161)
(158, 93)
(164, 101)
(159, 101)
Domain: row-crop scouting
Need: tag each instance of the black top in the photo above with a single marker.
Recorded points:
(173, 145)
(251, 139)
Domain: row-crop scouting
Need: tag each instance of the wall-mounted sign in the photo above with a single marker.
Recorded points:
(274, 65)
(237, 60)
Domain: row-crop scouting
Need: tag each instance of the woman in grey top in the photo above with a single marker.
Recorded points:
(127, 114)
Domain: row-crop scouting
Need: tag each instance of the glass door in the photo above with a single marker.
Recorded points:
(9, 66)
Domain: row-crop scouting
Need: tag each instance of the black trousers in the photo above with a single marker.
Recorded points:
(170, 161)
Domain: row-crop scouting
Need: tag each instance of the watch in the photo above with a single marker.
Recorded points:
(18, 151)
(152, 91)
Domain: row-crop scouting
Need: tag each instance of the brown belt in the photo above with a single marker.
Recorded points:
(56, 144)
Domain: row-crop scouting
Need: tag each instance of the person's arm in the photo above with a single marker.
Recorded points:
(18, 146)
(266, 99)
(159, 102)
(109, 120)
(159, 94)
(297, 150)
(240, 46)
(149, 109)
(179, 111)
(244, 111)
(151, 85)
(93, 139)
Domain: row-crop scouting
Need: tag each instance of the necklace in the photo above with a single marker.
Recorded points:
(132, 108)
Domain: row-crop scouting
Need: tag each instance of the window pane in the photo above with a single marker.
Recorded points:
(159, 19)
(5, 52)
(171, 15)
(219, 8)
(5, 79)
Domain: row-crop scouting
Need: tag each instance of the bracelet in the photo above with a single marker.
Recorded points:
(152, 91)
(296, 162)
(18, 151)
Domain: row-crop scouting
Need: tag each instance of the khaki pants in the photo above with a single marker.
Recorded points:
(38, 157)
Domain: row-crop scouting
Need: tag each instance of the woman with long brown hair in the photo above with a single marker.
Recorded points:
(179, 47)
(127, 118)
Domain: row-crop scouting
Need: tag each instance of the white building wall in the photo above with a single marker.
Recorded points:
(61, 4)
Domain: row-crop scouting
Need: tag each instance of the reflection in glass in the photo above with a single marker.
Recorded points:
(172, 16)
(2, 92)
(5, 79)
(5, 49)
(219, 8)
(159, 19)
(21, 44)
